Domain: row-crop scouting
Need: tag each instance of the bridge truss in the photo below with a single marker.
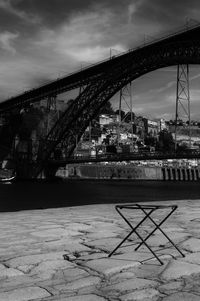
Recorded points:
(98, 84)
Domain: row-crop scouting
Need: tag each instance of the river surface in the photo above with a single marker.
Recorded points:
(37, 195)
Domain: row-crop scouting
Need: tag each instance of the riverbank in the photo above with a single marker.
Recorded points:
(62, 255)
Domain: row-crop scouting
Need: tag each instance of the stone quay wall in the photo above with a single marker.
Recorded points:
(110, 171)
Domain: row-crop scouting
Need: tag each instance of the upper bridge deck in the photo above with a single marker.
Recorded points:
(92, 73)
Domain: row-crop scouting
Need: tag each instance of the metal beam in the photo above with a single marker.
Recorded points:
(93, 73)
(182, 100)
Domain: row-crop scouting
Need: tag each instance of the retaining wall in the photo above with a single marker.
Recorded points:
(98, 171)
(119, 172)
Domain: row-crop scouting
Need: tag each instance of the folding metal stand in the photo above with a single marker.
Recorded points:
(147, 210)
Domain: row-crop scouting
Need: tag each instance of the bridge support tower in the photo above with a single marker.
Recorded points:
(182, 100)
(125, 97)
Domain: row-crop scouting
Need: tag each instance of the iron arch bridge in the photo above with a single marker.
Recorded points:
(99, 83)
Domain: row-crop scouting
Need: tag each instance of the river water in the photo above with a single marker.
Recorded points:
(37, 195)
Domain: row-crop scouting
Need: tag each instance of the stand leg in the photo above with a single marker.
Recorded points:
(158, 228)
(134, 231)
(118, 246)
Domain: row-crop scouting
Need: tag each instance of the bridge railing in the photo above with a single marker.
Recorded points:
(80, 70)
(135, 156)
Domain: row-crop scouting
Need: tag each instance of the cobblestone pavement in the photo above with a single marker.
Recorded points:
(62, 255)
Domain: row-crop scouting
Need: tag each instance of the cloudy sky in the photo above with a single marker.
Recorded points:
(41, 40)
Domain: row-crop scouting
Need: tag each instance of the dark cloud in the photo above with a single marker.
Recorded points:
(41, 40)
(55, 12)
(168, 13)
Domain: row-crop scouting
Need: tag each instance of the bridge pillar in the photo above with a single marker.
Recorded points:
(168, 174)
(50, 171)
(164, 173)
(182, 174)
(178, 174)
(189, 175)
(171, 174)
(182, 99)
(24, 169)
(175, 174)
(197, 173)
(194, 176)
(186, 174)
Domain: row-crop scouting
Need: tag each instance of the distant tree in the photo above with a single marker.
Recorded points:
(107, 109)
(181, 148)
(127, 117)
(179, 122)
(171, 122)
(95, 132)
(150, 140)
(122, 113)
(165, 141)
(30, 121)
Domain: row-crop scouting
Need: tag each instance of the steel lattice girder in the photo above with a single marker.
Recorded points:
(76, 118)
(101, 82)
(93, 73)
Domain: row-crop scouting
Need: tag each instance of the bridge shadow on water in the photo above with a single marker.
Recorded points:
(42, 194)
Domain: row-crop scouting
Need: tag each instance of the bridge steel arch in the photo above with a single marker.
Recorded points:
(76, 118)
(101, 82)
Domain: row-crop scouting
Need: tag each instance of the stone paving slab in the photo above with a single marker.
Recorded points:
(182, 297)
(90, 297)
(191, 245)
(138, 295)
(62, 255)
(16, 282)
(79, 284)
(129, 285)
(110, 266)
(177, 269)
(171, 287)
(24, 294)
